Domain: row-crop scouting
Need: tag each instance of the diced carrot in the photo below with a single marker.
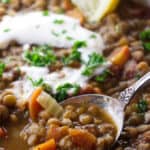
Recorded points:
(48, 145)
(83, 138)
(76, 13)
(120, 57)
(2, 132)
(67, 5)
(57, 132)
(34, 106)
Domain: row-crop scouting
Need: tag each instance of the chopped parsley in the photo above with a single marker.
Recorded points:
(93, 36)
(146, 46)
(64, 31)
(6, 30)
(103, 76)
(142, 106)
(46, 87)
(63, 90)
(69, 38)
(40, 56)
(145, 37)
(55, 33)
(79, 44)
(45, 13)
(36, 83)
(95, 60)
(40, 82)
(2, 67)
(138, 76)
(58, 21)
(5, 1)
(75, 54)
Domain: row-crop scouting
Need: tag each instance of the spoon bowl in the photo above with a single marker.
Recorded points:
(114, 107)
(110, 105)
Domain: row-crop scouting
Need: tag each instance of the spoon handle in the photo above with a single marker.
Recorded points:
(128, 93)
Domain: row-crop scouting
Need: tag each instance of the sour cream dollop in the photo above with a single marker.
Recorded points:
(56, 30)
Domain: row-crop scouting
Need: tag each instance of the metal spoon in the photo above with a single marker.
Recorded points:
(114, 107)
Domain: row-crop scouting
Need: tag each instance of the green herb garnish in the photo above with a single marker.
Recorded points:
(46, 87)
(40, 82)
(142, 106)
(55, 33)
(69, 38)
(75, 54)
(36, 83)
(6, 30)
(58, 21)
(40, 56)
(45, 13)
(93, 36)
(145, 37)
(2, 68)
(138, 76)
(64, 31)
(95, 60)
(5, 1)
(79, 44)
(146, 46)
(62, 90)
(103, 76)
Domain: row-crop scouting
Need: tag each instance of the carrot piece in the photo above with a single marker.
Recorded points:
(120, 57)
(34, 106)
(67, 5)
(83, 138)
(57, 132)
(48, 145)
(2, 132)
(75, 13)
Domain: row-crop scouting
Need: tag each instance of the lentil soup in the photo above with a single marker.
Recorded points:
(49, 52)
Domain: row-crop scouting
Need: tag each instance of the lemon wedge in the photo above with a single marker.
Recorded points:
(95, 10)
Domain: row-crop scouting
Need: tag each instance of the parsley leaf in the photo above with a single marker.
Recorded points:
(36, 82)
(95, 60)
(74, 56)
(64, 31)
(93, 36)
(55, 33)
(41, 83)
(142, 106)
(40, 56)
(6, 30)
(62, 90)
(58, 21)
(103, 76)
(69, 38)
(45, 13)
(79, 44)
(2, 67)
(145, 35)
(146, 46)
(5, 1)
